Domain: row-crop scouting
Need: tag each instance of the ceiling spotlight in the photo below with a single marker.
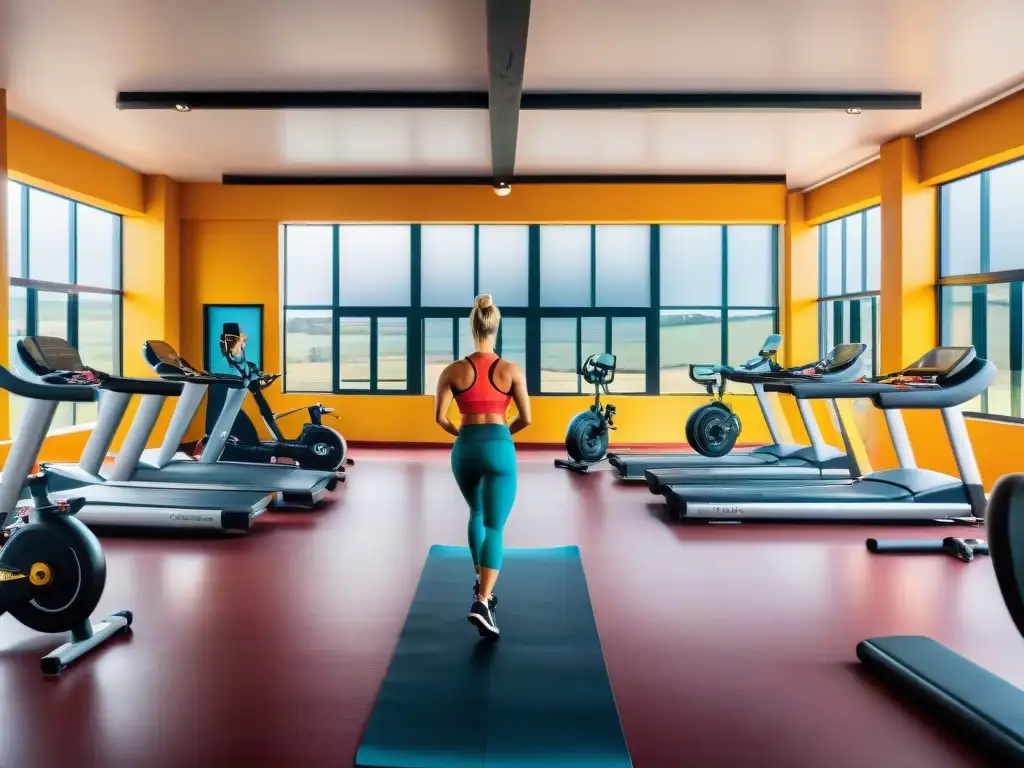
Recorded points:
(853, 111)
(182, 108)
(502, 189)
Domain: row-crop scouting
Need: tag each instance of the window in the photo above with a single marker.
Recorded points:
(981, 277)
(65, 272)
(850, 263)
(395, 309)
(718, 297)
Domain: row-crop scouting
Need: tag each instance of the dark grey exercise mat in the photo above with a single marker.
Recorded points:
(540, 696)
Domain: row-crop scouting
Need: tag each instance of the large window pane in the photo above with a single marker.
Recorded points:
(751, 268)
(308, 344)
(558, 354)
(873, 217)
(309, 264)
(623, 263)
(52, 320)
(629, 345)
(688, 336)
(997, 322)
(961, 227)
(467, 344)
(747, 330)
(374, 264)
(447, 265)
(17, 327)
(504, 264)
(98, 256)
(49, 237)
(1006, 217)
(867, 332)
(354, 352)
(97, 341)
(438, 351)
(854, 255)
(832, 264)
(513, 340)
(392, 352)
(97, 331)
(565, 266)
(957, 315)
(14, 230)
(691, 266)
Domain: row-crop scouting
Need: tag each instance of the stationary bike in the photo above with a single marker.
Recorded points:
(586, 439)
(712, 429)
(52, 568)
(316, 447)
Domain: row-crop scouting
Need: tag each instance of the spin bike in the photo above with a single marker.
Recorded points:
(316, 447)
(712, 429)
(586, 439)
(52, 568)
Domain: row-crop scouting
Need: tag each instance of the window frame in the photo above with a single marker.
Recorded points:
(978, 282)
(533, 313)
(71, 289)
(852, 299)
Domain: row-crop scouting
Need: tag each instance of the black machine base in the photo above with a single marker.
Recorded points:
(579, 467)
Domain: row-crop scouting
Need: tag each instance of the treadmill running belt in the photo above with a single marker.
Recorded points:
(539, 696)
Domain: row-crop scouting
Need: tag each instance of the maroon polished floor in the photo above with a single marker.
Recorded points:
(727, 645)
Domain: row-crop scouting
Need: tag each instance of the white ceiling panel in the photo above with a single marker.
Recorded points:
(63, 62)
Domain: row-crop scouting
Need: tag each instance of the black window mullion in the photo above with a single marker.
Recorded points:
(476, 259)
(415, 345)
(1016, 344)
(842, 255)
(374, 346)
(72, 243)
(31, 312)
(533, 339)
(579, 353)
(336, 297)
(653, 330)
(979, 329)
(725, 296)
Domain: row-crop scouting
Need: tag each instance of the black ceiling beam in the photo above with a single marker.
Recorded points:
(286, 180)
(544, 100)
(508, 26)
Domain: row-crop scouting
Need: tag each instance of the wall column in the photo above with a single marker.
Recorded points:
(152, 273)
(799, 279)
(5, 420)
(909, 263)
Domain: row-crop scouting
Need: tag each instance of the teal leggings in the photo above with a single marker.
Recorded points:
(484, 465)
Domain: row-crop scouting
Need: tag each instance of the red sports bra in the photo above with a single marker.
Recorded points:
(483, 395)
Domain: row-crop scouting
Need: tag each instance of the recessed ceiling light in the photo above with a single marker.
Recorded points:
(853, 111)
(182, 108)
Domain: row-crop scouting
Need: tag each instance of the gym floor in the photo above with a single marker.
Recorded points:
(726, 645)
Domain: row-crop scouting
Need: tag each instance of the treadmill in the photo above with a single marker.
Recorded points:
(165, 465)
(961, 693)
(819, 460)
(109, 505)
(944, 379)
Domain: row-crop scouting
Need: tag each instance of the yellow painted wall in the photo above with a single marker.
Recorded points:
(847, 194)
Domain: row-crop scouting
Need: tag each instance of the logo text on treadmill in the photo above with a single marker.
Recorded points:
(727, 509)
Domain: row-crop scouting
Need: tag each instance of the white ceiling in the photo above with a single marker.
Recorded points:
(62, 62)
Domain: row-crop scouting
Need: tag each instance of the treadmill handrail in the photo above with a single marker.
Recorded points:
(965, 386)
(62, 393)
(140, 386)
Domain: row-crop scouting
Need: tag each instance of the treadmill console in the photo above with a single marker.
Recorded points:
(940, 363)
(161, 356)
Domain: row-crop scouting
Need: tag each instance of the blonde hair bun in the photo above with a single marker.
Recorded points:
(483, 301)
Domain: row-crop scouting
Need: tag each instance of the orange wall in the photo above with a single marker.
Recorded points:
(852, 192)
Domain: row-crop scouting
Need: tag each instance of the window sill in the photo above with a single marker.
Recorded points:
(994, 418)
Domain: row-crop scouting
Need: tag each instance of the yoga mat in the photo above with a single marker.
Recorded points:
(539, 696)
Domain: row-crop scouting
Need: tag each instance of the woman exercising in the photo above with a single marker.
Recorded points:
(484, 456)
